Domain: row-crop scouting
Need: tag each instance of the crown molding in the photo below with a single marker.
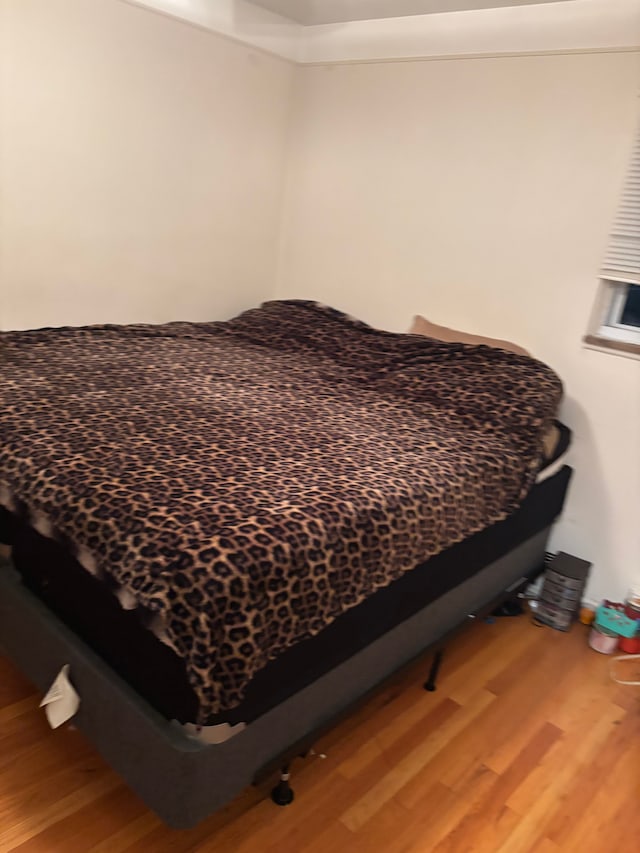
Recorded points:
(313, 12)
(568, 27)
(581, 25)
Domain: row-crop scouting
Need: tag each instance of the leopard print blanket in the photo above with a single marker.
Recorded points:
(251, 480)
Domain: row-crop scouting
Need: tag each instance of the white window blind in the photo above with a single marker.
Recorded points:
(622, 261)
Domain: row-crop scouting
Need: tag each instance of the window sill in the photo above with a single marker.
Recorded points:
(623, 348)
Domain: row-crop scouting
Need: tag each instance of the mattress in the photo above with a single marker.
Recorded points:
(169, 460)
(157, 673)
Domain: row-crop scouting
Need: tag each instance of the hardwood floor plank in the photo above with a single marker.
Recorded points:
(416, 825)
(335, 837)
(572, 753)
(544, 845)
(552, 695)
(401, 773)
(25, 771)
(463, 802)
(17, 709)
(87, 827)
(500, 657)
(38, 816)
(397, 736)
(498, 723)
(385, 831)
(127, 837)
(585, 786)
(537, 798)
(19, 733)
(611, 822)
(487, 825)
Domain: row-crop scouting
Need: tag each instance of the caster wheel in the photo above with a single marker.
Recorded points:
(282, 794)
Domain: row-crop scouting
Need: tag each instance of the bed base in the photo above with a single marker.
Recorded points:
(183, 780)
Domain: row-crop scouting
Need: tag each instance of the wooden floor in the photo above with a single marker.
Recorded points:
(526, 746)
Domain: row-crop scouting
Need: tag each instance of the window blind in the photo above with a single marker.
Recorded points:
(622, 261)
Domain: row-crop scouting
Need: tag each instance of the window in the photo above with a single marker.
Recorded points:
(622, 320)
(617, 321)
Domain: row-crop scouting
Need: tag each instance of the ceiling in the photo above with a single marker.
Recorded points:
(313, 12)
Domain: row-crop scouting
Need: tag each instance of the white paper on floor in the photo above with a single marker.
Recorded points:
(61, 701)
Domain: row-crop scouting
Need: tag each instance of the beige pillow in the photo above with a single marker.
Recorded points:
(422, 326)
(550, 441)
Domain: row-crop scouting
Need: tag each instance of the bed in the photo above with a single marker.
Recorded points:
(279, 466)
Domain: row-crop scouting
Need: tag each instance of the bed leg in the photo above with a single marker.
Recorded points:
(282, 794)
(433, 672)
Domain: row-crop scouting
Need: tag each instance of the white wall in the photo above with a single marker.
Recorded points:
(479, 192)
(141, 166)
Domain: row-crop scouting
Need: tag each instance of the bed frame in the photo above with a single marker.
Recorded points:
(184, 780)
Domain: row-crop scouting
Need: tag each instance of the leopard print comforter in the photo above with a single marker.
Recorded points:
(251, 480)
